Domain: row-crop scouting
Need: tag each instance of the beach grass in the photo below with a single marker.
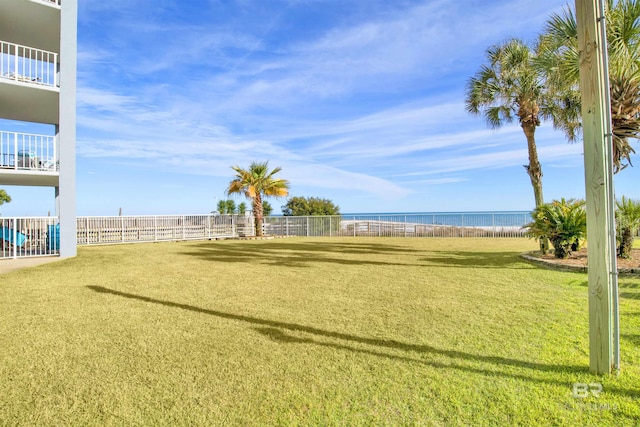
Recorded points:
(308, 331)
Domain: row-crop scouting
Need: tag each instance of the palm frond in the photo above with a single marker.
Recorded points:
(558, 59)
(256, 181)
(506, 86)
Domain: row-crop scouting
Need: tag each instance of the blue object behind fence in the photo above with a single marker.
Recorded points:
(7, 236)
(53, 238)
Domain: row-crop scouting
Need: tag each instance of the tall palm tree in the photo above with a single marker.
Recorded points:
(558, 57)
(506, 89)
(509, 88)
(255, 183)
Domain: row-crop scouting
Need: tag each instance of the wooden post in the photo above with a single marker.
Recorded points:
(597, 180)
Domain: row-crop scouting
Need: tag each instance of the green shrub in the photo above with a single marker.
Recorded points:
(627, 224)
(312, 206)
(563, 222)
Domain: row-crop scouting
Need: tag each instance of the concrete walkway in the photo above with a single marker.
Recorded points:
(8, 265)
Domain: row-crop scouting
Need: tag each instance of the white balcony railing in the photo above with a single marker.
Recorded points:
(28, 65)
(23, 151)
(29, 237)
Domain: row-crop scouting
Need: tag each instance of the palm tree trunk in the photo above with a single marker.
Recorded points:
(625, 243)
(258, 214)
(534, 170)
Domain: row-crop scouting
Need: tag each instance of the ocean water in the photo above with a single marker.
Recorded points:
(458, 219)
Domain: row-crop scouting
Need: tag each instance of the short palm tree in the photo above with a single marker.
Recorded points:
(255, 183)
(242, 208)
(558, 58)
(222, 207)
(563, 222)
(509, 88)
(627, 225)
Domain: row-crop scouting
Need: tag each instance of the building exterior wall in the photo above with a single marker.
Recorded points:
(47, 26)
(66, 191)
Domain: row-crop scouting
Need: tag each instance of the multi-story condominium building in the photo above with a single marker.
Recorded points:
(38, 86)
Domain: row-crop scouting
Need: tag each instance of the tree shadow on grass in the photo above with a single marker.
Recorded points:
(280, 336)
(633, 339)
(578, 283)
(274, 329)
(629, 285)
(621, 285)
(630, 295)
(299, 254)
(474, 259)
(398, 345)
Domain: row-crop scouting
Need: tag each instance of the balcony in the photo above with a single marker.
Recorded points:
(22, 64)
(28, 84)
(27, 159)
(29, 237)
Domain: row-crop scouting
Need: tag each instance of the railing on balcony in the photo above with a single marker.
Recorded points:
(28, 65)
(28, 237)
(23, 151)
(56, 2)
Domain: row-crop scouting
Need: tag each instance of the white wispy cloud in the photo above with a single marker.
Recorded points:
(498, 159)
(370, 104)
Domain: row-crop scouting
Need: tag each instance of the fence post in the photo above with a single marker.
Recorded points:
(330, 226)
(462, 222)
(15, 150)
(493, 224)
(405, 226)
(15, 238)
(433, 225)
(122, 228)
(15, 73)
(307, 226)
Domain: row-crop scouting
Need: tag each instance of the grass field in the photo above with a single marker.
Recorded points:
(341, 331)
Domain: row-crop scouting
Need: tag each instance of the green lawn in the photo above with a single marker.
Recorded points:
(341, 331)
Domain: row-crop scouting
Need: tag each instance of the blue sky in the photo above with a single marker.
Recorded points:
(359, 101)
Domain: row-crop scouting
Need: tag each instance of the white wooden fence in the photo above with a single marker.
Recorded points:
(133, 229)
(40, 236)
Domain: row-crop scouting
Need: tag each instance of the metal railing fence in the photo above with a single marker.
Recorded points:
(499, 224)
(28, 65)
(29, 237)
